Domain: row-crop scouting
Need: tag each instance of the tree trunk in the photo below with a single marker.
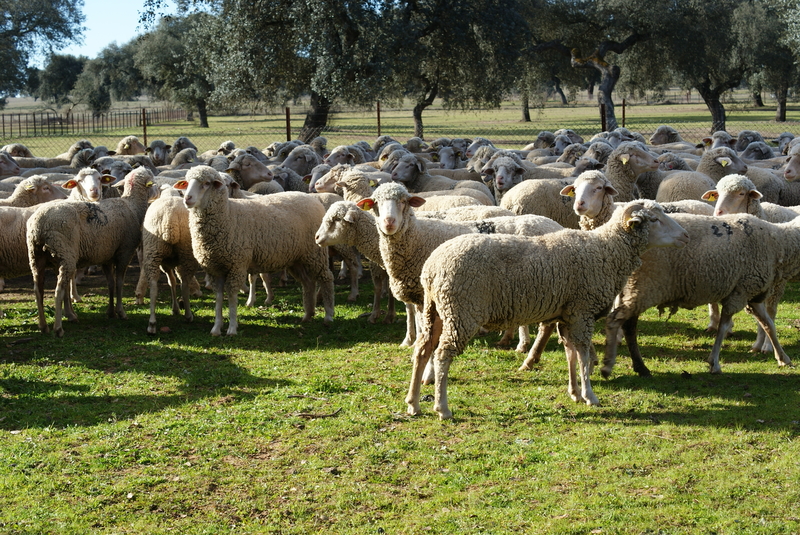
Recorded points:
(780, 111)
(316, 118)
(430, 95)
(610, 75)
(712, 99)
(526, 112)
(758, 102)
(203, 113)
(560, 90)
(590, 90)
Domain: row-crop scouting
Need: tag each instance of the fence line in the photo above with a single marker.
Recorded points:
(46, 123)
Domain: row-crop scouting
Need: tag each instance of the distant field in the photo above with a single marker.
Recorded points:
(503, 125)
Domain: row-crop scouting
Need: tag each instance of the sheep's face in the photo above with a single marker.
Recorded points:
(336, 224)
(662, 230)
(505, 173)
(663, 134)
(339, 156)
(589, 195)
(8, 167)
(196, 190)
(42, 190)
(792, 169)
(449, 157)
(159, 153)
(406, 170)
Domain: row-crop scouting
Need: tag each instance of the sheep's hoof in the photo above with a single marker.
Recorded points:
(445, 414)
(189, 317)
(121, 315)
(59, 332)
(389, 319)
(577, 398)
(414, 410)
(642, 372)
(605, 371)
(592, 401)
(352, 298)
(151, 328)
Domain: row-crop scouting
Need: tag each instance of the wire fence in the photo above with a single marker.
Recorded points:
(48, 136)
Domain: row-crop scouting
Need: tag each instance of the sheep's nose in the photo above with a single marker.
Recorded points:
(719, 212)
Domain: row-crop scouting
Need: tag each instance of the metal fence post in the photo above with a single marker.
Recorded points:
(379, 117)
(603, 117)
(623, 113)
(144, 126)
(288, 125)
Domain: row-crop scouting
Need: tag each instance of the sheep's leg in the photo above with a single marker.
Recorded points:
(584, 353)
(218, 284)
(327, 292)
(186, 291)
(194, 286)
(572, 385)
(233, 319)
(524, 339)
(143, 284)
(725, 322)
(377, 286)
(268, 287)
(38, 291)
(428, 376)
(351, 266)
(762, 343)
(73, 289)
(173, 283)
(251, 296)
(411, 327)
(535, 353)
(713, 319)
(630, 329)
(423, 347)
(61, 293)
(151, 325)
(119, 275)
(453, 339)
(505, 340)
(613, 323)
(391, 313)
(759, 310)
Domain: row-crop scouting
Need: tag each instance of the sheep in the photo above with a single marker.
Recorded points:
(302, 160)
(33, 190)
(715, 163)
(87, 185)
(347, 154)
(130, 145)
(571, 134)
(505, 173)
(625, 164)
(572, 153)
(542, 197)
(450, 158)
(110, 166)
(71, 235)
(720, 138)
(599, 151)
(648, 182)
(757, 150)
(316, 173)
(413, 173)
(318, 145)
(13, 248)
(42, 163)
(75, 147)
(458, 174)
(406, 241)
(253, 151)
(782, 141)
(380, 142)
(178, 145)
(288, 179)
(736, 260)
(345, 223)
(665, 134)
(264, 234)
(248, 171)
(415, 144)
(158, 152)
(477, 143)
(792, 169)
(480, 158)
(17, 150)
(167, 245)
(746, 137)
(8, 166)
(544, 140)
(463, 293)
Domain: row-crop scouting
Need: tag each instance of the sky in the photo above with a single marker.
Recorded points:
(107, 22)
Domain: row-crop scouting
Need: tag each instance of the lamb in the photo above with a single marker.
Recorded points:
(71, 235)
(231, 237)
(74, 148)
(412, 172)
(130, 145)
(736, 260)
(248, 171)
(463, 293)
(33, 190)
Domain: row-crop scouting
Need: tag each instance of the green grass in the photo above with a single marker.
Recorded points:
(290, 428)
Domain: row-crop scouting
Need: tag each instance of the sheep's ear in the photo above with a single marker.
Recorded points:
(373, 183)
(365, 204)
(568, 191)
(610, 190)
(634, 221)
(434, 156)
(69, 184)
(754, 194)
(126, 146)
(107, 179)
(710, 195)
(307, 179)
(488, 171)
(724, 161)
(707, 141)
(415, 202)
(217, 184)
(148, 150)
(112, 152)
(181, 184)
(350, 216)
(168, 147)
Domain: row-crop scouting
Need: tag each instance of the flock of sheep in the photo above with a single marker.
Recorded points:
(468, 236)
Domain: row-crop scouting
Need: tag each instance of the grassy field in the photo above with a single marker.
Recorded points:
(290, 428)
(293, 428)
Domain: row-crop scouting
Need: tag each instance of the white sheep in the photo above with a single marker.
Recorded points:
(248, 171)
(130, 145)
(70, 235)
(33, 190)
(302, 160)
(736, 260)
(569, 276)
(413, 173)
(231, 237)
(715, 163)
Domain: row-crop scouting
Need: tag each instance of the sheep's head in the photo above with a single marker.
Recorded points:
(199, 181)
(735, 194)
(590, 191)
(39, 190)
(505, 172)
(408, 168)
(391, 203)
(90, 183)
(649, 217)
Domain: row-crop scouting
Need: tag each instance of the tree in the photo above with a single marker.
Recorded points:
(57, 80)
(111, 76)
(31, 27)
(171, 61)
(459, 50)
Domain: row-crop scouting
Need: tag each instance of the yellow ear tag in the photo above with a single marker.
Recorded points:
(712, 198)
(366, 204)
(723, 163)
(624, 160)
(571, 193)
(373, 183)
